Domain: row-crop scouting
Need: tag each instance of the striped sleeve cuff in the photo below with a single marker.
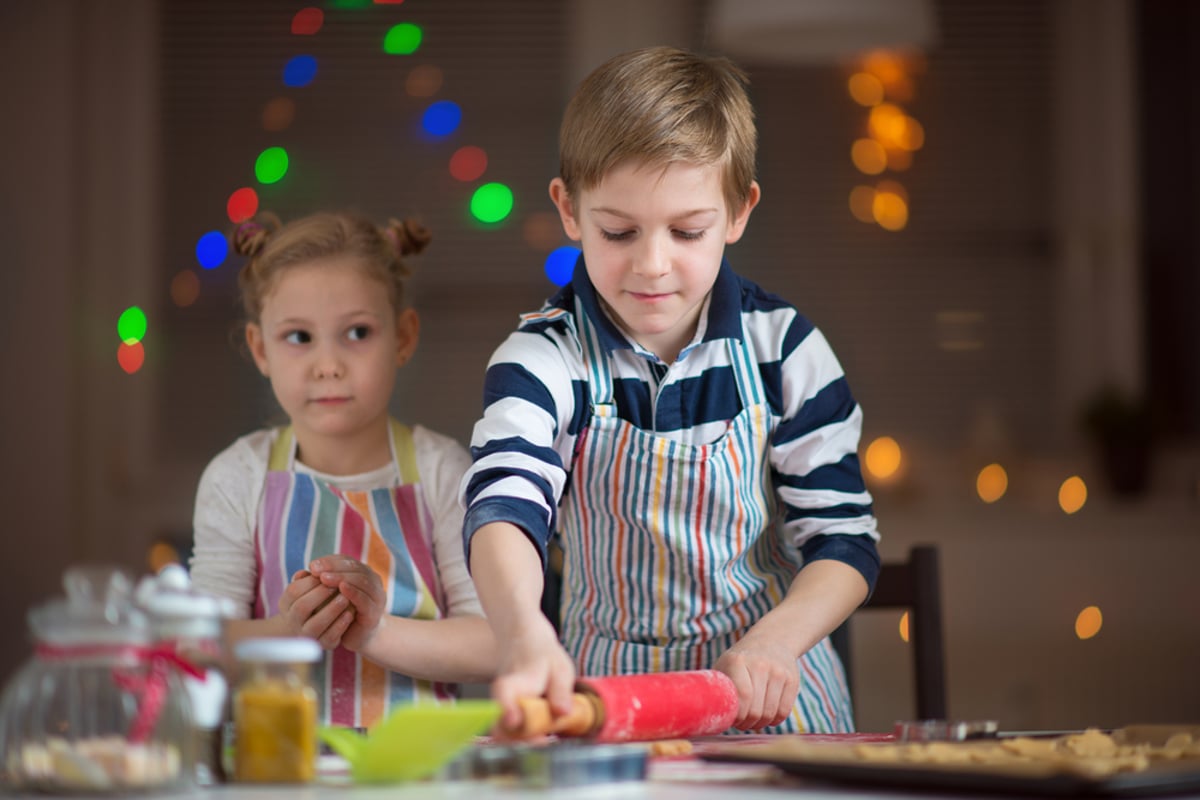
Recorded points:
(857, 550)
(529, 517)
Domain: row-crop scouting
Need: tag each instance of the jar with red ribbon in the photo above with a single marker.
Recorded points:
(100, 707)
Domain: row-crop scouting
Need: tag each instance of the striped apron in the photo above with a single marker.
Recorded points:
(671, 551)
(389, 529)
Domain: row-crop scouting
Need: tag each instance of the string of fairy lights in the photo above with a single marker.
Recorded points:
(489, 202)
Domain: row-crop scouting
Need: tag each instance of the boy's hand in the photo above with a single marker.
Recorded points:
(361, 586)
(533, 664)
(314, 610)
(767, 680)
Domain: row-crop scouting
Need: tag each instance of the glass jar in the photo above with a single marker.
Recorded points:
(97, 708)
(275, 711)
(191, 624)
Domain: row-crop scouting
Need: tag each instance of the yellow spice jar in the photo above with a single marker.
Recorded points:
(275, 711)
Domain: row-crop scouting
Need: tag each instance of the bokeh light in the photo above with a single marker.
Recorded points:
(161, 554)
(904, 633)
(883, 457)
(491, 202)
(131, 357)
(278, 114)
(890, 209)
(866, 89)
(898, 160)
(887, 123)
(423, 81)
(242, 205)
(1088, 622)
(212, 249)
(300, 71)
(402, 39)
(307, 21)
(868, 156)
(560, 265)
(271, 165)
(131, 325)
(542, 231)
(1072, 494)
(468, 163)
(441, 118)
(991, 483)
(185, 288)
(862, 203)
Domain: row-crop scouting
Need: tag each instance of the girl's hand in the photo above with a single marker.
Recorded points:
(361, 586)
(311, 609)
(533, 664)
(767, 680)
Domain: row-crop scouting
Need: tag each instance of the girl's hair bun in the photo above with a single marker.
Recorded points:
(250, 237)
(408, 236)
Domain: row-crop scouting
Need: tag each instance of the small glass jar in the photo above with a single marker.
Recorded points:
(275, 711)
(191, 624)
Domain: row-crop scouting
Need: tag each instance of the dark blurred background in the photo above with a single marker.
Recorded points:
(1004, 255)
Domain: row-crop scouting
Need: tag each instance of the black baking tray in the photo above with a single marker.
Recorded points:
(1164, 778)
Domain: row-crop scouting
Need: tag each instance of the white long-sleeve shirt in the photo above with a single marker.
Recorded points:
(231, 488)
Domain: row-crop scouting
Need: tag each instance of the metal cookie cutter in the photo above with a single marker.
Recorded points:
(563, 763)
(940, 730)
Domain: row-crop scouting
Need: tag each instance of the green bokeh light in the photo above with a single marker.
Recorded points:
(131, 326)
(272, 165)
(402, 39)
(492, 202)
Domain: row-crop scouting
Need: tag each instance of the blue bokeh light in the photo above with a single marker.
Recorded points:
(560, 265)
(212, 249)
(442, 118)
(300, 71)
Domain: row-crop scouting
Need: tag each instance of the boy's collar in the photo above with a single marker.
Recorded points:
(724, 308)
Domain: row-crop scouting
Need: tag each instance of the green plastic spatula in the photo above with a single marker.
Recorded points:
(413, 742)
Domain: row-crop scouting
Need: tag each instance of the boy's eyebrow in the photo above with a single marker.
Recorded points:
(618, 213)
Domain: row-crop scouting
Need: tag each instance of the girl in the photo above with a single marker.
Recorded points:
(343, 526)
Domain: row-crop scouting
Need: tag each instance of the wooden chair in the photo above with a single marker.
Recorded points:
(913, 585)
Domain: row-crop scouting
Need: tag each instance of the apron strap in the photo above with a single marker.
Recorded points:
(404, 453)
(283, 451)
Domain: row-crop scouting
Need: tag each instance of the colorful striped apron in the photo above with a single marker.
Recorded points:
(671, 551)
(390, 530)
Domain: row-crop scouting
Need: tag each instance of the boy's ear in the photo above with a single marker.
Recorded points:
(408, 331)
(257, 347)
(566, 209)
(737, 226)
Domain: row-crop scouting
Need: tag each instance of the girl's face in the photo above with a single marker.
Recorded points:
(330, 342)
(653, 239)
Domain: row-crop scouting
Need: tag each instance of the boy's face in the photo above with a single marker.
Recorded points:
(653, 239)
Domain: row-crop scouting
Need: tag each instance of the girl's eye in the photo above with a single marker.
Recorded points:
(297, 337)
(689, 236)
(616, 236)
(358, 333)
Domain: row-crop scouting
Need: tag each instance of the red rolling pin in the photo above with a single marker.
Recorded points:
(631, 708)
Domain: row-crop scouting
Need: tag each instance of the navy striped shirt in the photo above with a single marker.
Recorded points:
(536, 404)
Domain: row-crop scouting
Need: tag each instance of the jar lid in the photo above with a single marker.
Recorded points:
(97, 609)
(169, 596)
(278, 650)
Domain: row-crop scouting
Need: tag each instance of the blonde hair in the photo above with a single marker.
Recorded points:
(657, 106)
(273, 248)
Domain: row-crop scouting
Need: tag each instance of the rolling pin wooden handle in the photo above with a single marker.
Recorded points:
(537, 720)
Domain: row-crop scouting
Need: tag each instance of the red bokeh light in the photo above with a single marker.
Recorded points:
(131, 356)
(308, 21)
(468, 163)
(242, 205)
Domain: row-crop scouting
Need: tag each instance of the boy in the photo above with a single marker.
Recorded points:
(689, 437)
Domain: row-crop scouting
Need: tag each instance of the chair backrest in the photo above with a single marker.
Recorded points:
(913, 585)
